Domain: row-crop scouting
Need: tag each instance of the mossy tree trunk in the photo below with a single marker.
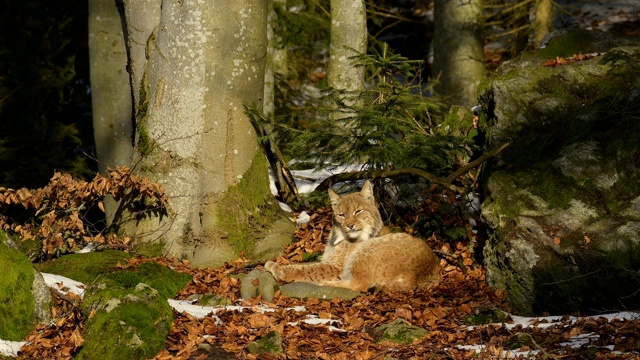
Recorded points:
(193, 65)
(348, 38)
(458, 52)
(110, 90)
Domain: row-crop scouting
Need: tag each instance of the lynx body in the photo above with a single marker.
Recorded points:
(361, 253)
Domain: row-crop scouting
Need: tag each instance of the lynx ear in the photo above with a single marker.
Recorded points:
(367, 191)
(334, 197)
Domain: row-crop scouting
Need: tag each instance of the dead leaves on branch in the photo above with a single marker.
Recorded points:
(58, 211)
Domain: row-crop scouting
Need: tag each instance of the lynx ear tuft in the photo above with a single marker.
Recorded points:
(367, 191)
(334, 197)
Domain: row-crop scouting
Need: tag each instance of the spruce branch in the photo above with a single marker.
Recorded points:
(375, 174)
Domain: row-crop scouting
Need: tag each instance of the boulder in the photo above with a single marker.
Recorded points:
(400, 332)
(258, 282)
(563, 200)
(128, 316)
(25, 299)
(270, 344)
(303, 290)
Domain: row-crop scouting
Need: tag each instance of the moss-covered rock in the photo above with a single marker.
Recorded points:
(490, 316)
(271, 344)
(543, 108)
(85, 267)
(128, 313)
(400, 332)
(20, 308)
(563, 200)
(303, 290)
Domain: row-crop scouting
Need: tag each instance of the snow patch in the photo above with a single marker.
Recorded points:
(63, 285)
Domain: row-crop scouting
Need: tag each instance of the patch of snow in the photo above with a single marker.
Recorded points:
(303, 218)
(10, 348)
(549, 321)
(315, 320)
(63, 284)
(285, 207)
(506, 355)
(199, 311)
(88, 248)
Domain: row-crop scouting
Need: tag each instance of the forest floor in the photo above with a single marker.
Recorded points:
(346, 329)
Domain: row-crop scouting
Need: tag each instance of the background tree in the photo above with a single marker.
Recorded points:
(348, 39)
(110, 90)
(193, 66)
(542, 21)
(458, 50)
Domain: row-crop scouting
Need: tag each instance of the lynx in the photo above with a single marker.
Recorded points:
(361, 253)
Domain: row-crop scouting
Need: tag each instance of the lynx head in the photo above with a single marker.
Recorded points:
(355, 216)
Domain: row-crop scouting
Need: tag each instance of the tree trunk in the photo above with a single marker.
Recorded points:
(276, 59)
(542, 22)
(204, 60)
(348, 38)
(458, 51)
(110, 90)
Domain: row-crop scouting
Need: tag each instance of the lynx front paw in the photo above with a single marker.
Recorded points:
(275, 269)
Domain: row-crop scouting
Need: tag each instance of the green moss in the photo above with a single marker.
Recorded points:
(134, 328)
(271, 343)
(131, 315)
(166, 281)
(247, 210)
(17, 304)
(564, 46)
(86, 267)
(150, 249)
(144, 144)
(494, 316)
(400, 332)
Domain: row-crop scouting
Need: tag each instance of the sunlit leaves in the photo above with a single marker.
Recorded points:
(60, 208)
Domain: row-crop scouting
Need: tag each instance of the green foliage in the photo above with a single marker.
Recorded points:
(17, 304)
(304, 33)
(388, 125)
(45, 104)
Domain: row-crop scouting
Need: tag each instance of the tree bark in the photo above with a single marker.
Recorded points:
(458, 50)
(542, 22)
(110, 91)
(204, 60)
(348, 38)
(276, 63)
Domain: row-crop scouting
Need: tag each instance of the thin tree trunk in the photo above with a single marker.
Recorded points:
(110, 91)
(348, 38)
(542, 23)
(458, 51)
(276, 63)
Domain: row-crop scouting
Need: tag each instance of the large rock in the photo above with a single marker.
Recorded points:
(25, 299)
(563, 200)
(126, 310)
(303, 290)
